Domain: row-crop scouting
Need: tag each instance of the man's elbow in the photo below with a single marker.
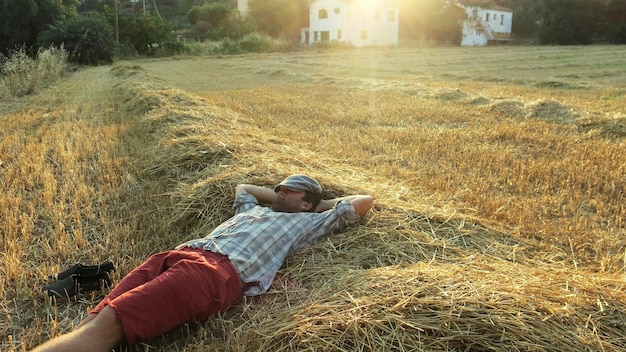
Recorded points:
(240, 189)
(362, 204)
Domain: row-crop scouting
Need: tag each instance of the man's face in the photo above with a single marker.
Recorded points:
(290, 201)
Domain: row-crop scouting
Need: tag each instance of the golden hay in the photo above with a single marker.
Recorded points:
(402, 281)
(511, 108)
(116, 165)
(550, 111)
(611, 126)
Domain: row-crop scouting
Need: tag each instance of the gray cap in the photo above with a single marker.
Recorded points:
(300, 183)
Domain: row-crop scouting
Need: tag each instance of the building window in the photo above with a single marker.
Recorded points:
(325, 36)
(363, 35)
(487, 19)
(337, 10)
(316, 37)
(339, 34)
(501, 19)
(391, 16)
(323, 13)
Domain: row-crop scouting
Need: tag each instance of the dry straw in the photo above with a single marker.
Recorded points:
(414, 276)
(420, 273)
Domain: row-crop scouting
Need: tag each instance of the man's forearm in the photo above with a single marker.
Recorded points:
(263, 194)
(362, 203)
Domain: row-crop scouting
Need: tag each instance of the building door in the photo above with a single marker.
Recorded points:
(325, 36)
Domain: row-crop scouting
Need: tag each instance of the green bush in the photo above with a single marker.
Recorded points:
(144, 35)
(173, 48)
(22, 74)
(257, 43)
(233, 27)
(617, 33)
(250, 43)
(212, 13)
(227, 46)
(89, 40)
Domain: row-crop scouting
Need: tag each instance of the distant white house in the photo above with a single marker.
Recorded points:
(355, 22)
(242, 7)
(485, 24)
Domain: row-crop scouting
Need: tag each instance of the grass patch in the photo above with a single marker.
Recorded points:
(21, 74)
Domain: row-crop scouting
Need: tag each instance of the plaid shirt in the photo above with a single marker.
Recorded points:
(257, 239)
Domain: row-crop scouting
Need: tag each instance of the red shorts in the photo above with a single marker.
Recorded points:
(170, 289)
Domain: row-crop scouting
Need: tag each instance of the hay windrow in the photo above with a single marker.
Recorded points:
(612, 126)
(450, 307)
(429, 269)
(414, 277)
(550, 111)
(511, 108)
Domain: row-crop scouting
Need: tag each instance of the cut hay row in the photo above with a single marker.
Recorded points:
(610, 124)
(414, 276)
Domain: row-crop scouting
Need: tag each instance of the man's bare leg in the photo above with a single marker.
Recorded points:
(101, 332)
(87, 319)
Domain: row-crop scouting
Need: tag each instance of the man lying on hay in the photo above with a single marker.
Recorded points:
(204, 276)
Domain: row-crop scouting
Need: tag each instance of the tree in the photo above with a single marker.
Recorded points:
(616, 21)
(212, 14)
(23, 20)
(526, 14)
(233, 27)
(143, 34)
(280, 18)
(16, 20)
(562, 22)
(433, 20)
(88, 39)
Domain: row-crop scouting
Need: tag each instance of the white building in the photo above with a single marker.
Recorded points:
(355, 22)
(485, 24)
(242, 7)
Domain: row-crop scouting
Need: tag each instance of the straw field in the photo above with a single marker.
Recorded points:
(498, 176)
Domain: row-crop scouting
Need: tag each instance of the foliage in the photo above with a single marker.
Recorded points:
(436, 21)
(280, 18)
(142, 34)
(15, 17)
(617, 34)
(567, 21)
(88, 39)
(171, 47)
(525, 17)
(562, 22)
(21, 21)
(432, 20)
(212, 13)
(616, 20)
(257, 43)
(22, 74)
(233, 27)
(227, 46)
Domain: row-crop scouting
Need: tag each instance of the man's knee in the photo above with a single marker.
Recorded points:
(107, 323)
